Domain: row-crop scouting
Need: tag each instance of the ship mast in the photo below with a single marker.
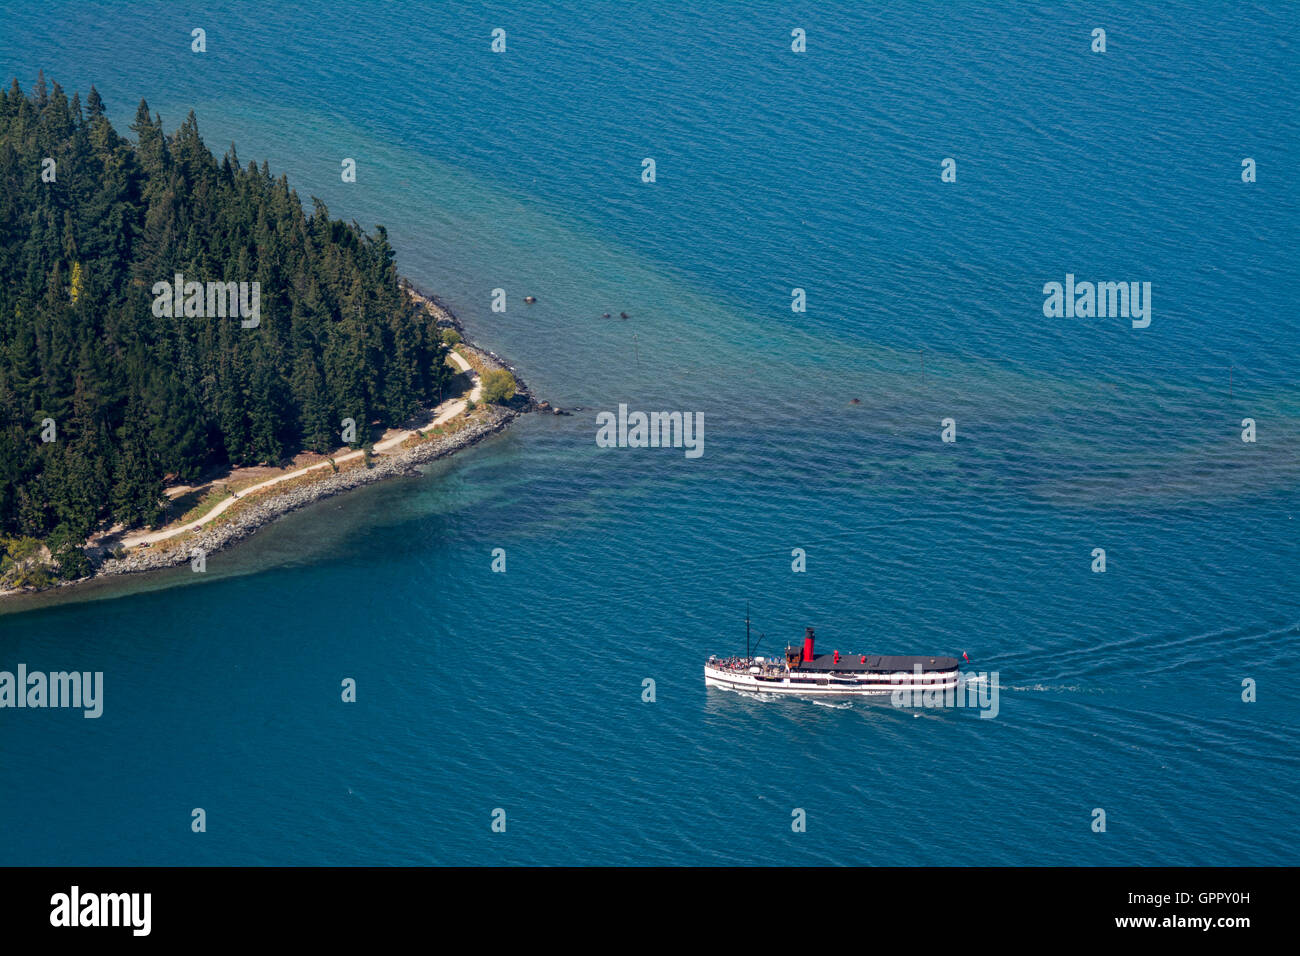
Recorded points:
(746, 630)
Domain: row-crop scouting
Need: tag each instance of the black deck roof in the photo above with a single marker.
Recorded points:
(877, 662)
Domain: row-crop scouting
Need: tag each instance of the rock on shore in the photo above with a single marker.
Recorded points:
(257, 512)
(246, 518)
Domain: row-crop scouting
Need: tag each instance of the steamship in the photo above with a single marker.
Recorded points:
(804, 672)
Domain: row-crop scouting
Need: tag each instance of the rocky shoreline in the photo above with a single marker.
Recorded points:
(261, 511)
(447, 319)
(255, 513)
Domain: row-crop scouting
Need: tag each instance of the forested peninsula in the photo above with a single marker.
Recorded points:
(106, 398)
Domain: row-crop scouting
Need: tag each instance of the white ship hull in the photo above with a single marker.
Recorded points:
(826, 684)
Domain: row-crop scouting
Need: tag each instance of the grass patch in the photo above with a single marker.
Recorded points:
(196, 506)
(474, 361)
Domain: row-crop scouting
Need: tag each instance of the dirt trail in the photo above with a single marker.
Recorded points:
(443, 413)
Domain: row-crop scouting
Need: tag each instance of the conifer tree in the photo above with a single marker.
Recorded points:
(140, 399)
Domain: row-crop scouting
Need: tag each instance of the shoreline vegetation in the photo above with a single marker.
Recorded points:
(229, 511)
(188, 351)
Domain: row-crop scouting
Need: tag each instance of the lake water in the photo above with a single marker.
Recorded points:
(524, 691)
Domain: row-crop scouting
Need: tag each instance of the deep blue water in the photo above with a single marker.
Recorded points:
(522, 690)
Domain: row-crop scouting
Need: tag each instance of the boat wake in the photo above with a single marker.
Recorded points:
(765, 698)
(773, 698)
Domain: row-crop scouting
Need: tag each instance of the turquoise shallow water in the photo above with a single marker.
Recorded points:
(523, 691)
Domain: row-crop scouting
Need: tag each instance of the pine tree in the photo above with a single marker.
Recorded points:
(140, 398)
(137, 488)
